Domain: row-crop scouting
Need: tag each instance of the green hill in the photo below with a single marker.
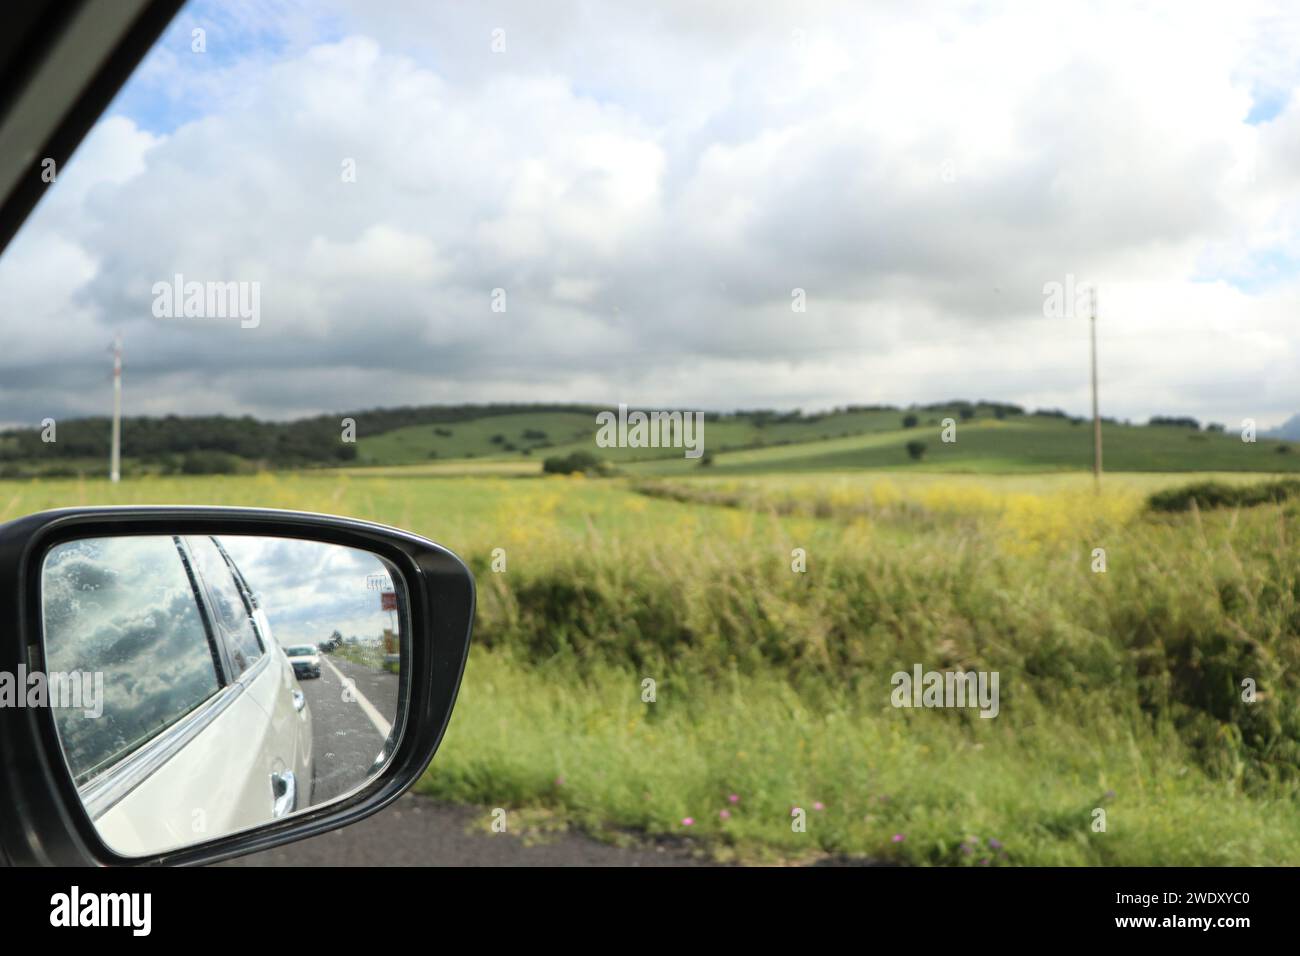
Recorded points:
(517, 439)
(543, 434)
(1025, 444)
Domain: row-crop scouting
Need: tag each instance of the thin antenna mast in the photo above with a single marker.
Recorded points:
(115, 462)
(1096, 413)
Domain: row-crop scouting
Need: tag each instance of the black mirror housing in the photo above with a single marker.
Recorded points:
(44, 821)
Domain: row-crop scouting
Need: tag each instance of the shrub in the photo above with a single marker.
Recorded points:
(204, 462)
(916, 449)
(1174, 421)
(578, 461)
(1216, 494)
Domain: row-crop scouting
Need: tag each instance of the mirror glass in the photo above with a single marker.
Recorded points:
(203, 685)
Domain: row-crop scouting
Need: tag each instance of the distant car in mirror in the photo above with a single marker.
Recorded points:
(305, 659)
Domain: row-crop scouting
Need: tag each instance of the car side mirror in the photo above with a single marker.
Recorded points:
(183, 685)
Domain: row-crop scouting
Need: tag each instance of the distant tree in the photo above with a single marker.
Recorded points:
(706, 460)
(534, 434)
(910, 420)
(498, 439)
(578, 461)
(1175, 421)
(1284, 449)
(1216, 427)
(916, 449)
(1213, 494)
(1002, 410)
(966, 412)
(209, 463)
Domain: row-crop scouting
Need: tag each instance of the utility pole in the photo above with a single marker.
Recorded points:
(1096, 413)
(115, 463)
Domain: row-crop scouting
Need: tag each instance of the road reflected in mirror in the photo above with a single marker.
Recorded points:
(207, 685)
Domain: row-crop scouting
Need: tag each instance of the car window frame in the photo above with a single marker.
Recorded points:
(251, 603)
(225, 639)
(225, 673)
(104, 777)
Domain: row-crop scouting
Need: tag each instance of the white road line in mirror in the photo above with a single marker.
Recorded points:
(376, 718)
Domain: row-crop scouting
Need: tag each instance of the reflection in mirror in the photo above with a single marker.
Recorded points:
(205, 685)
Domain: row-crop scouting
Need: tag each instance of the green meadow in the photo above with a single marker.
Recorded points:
(705, 652)
(846, 440)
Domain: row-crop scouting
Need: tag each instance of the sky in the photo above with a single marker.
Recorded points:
(310, 589)
(696, 205)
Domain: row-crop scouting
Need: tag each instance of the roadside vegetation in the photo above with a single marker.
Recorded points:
(1123, 690)
(1216, 494)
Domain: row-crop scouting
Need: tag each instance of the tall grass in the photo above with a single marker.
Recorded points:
(1185, 618)
(1121, 691)
(582, 749)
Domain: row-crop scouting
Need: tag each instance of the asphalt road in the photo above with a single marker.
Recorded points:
(415, 831)
(346, 734)
(418, 831)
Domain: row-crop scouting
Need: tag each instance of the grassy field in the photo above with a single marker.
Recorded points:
(874, 440)
(990, 441)
(1031, 444)
(1120, 691)
(539, 434)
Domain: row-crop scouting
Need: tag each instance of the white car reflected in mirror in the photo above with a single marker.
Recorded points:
(243, 679)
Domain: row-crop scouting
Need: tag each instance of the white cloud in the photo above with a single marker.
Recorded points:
(648, 185)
